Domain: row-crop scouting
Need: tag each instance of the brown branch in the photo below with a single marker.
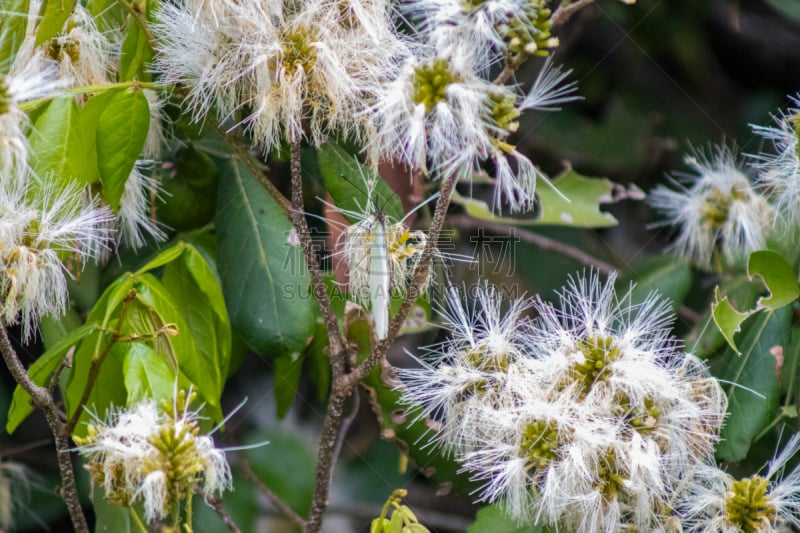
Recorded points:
(545, 243)
(42, 400)
(141, 19)
(297, 215)
(283, 507)
(219, 508)
(565, 11)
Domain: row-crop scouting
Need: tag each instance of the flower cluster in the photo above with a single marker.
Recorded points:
(290, 71)
(589, 418)
(41, 224)
(717, 209)
(295, 69)
(154, 454)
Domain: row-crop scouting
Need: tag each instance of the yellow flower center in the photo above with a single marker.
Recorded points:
(748, 506)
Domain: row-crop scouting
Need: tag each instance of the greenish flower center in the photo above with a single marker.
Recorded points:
(598, 353)
(641, 417)
(58, 51)
(298, 52)
(748, 506)
(504, 113)
(5, 96)
(484, 358)
(540, 442)
(716, 210)
(430, 83)
(530, 35)
(610, 481)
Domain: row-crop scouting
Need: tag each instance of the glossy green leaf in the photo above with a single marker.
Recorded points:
(345, 180)
(54, 15)
(107, 389)
(778, 276)
(109, 518)
(569, 200)
(287, 376)
(197, 294)
(88, 120)
(287, 466)
(53, 329)
(492, 519)
(203, 373)
(136, 54)
(264, 276)
(13, 21)
(146, 373)
(107, 14)
(40, 372)
(121, 134)
(57, 142)
(755, 388)
(727, 318)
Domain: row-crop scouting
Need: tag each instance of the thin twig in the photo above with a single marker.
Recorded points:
(565, 11)
(42, 400)
(545, 243)
(335, 340)
(219, 508)
(346, 423)
(247, 470)
(140, 18)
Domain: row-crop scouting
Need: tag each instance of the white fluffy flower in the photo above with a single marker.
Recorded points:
(716, 208)
(135, 222)
(439, 111)
(463, 379)
(300, 70)
(716, 502)
(154, 454)
(587, 418)
(40, 225)
(35, 78)
(779, 172)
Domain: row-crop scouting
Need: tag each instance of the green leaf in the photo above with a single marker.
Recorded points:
(88, 120)
(13, 21)
(121, 134)
(146, 373)
(292, 476)
(778, 277)
(54, 329)
(727, 318)
(777, 274)
(492, 518)
(136, 54)
(57, 143)
(40, 372)
(790, 8)
(54, 14)
(755, 390)
(109, 518)
(197, 294)
(287, 376)
(203, 373)
(344, 178)
(264, 276)
(580, 208)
